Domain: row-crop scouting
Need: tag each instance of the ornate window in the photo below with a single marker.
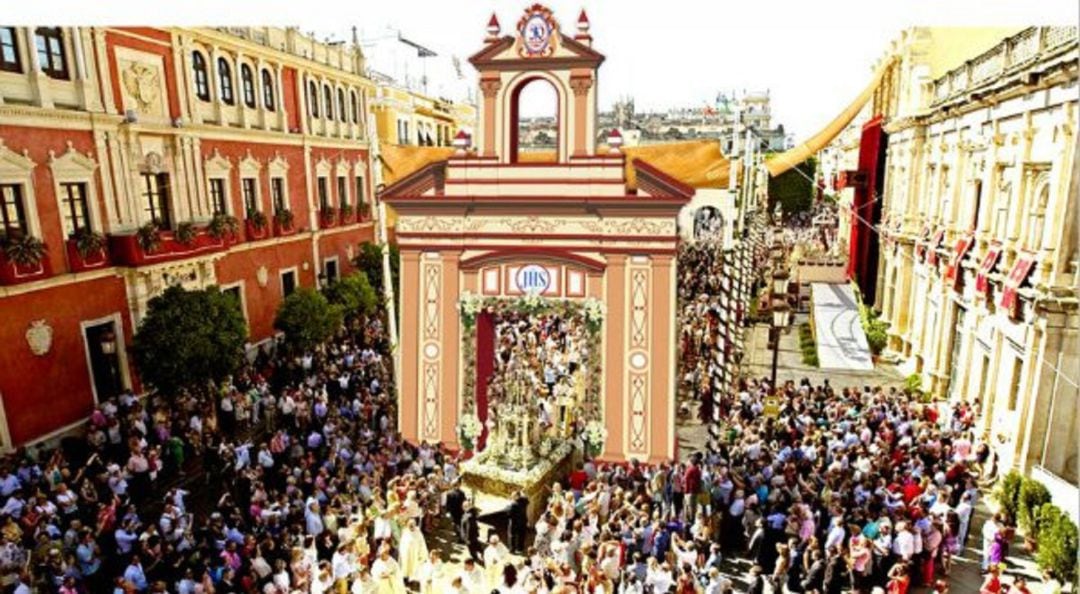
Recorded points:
(12, 210)
(225, 80)
(324, 193)
(155, 199)
(202, 79)
(278, 169)
(51, 54)
(9, 50)
(341, 113)
(76, 212)
(355, 108)
(277, 194)
(218, 198)
(73, 186)
(251, 195)
(247, 85)
(313, 99)
(268, 90)
(328, 96)
(342, 190)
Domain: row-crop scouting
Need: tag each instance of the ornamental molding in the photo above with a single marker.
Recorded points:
(323, 167)
(72, 163)
(278, 164)
(217, 165)
(39, 337)
(250, 164)
(13, 163)
(537, 225)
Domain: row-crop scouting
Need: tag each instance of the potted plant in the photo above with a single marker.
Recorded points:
(257, 219)
(186, 233)
(346, 212)
(255, 224)
(24, 250)
(223, 226)
(88, 243)
(365, 211)
(326, 215)
(284, 219)
(149, 237)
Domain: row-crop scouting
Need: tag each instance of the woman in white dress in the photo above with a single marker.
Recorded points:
(387, 574)
(413, 551)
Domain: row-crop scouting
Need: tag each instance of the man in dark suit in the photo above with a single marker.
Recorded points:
(455, 507)
(470, 532)
(519, 522)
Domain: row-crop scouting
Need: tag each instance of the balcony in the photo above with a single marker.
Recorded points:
(347, 215)
(284, 225)
(140, 249)
(23, 258)
(256, 227)
(89, 256)
(328, 217)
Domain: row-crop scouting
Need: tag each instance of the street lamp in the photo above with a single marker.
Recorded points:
(781, 312)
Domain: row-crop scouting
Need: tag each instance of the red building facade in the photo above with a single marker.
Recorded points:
(111, 137)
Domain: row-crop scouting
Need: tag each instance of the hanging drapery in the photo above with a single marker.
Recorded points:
(789, 159)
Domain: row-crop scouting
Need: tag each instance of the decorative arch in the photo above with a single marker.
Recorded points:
(552, 257)
(511, 106)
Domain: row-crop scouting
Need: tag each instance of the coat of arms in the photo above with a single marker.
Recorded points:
(39, 337)
(538, 32)
(141, 84)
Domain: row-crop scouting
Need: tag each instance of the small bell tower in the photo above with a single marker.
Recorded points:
(537, 50)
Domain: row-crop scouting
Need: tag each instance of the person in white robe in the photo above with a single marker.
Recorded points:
(496, 555)
(413, 551)
(387, 574)
(473, 580)
(432, 574)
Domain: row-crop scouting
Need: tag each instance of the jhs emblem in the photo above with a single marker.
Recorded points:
(532, 279)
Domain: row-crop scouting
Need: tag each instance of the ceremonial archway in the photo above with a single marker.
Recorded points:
(567, 244)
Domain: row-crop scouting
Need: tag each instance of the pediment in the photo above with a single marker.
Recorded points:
(507, 52)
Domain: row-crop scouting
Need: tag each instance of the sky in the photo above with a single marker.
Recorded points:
(813, 57)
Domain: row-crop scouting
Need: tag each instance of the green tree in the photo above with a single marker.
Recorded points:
(354, 294)
(794, 189)
(189, 337)
(369, 260)
(1058, 539)
(307, 318)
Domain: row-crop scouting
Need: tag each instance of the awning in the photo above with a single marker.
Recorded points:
(982, 282)
(1020, 271)
(935, 243)
(789, 159)
(920, 242)
(959, 251)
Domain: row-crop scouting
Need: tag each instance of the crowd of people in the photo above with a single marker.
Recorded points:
(290, 477)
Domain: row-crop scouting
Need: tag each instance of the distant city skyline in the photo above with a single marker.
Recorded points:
(814, 58)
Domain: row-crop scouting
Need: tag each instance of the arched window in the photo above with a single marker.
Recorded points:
(534, 121)
(268, 89)
(225, 78)
(341, 113)
(355, 107)
(313, 99)
(247, 85)
(202, 80)
(328, 95)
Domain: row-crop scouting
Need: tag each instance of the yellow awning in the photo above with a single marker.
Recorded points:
(697, 163)
(790, 158)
